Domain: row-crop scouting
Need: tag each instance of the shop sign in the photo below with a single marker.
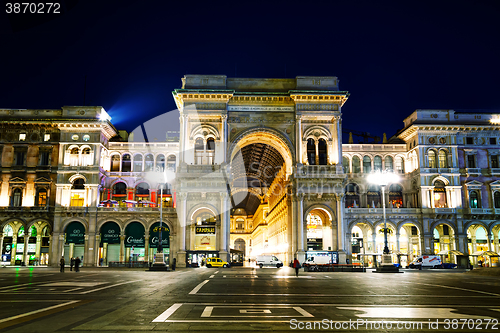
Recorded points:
(110, 233)
(204, 242)
(20, 248)
(154, 235)
(134, 235)
(205, 230)
(31, 248)
(75, 233)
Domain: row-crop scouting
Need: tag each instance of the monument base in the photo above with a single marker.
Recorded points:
(159, 264)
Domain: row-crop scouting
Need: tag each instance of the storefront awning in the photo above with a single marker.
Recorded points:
(447, 252)
(485, 253)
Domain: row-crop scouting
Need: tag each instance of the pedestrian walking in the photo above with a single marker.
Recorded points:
(101, 261)
(61, 263)
(296, 265)
(71, 263)
(174, 264)
(77, 264)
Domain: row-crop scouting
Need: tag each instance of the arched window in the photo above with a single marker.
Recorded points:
(73, 157)
(41, 197)
(345, 164)
(474, 199)
(377, 163)
(367, 164)
(373, 196)
(86, 157)
(388, 163)
(198, 144)
(171, 162)
(322, 152)
(17, 197)
(160, 163)
(443, 159)
(115, 163)
(210, 144)
(138, 163)
(311, 152)
(119, 191)
(126, 163)
(142, 191)
(78, 184)
(440, 195)
(77, 193)
(210, 151)
(432, 158)
(149, 163)
(356, 164)
(496, 199)
(396, 196)
(352, 196)
(400, 165)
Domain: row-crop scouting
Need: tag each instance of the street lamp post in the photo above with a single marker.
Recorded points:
(383, 178)
(159, 263)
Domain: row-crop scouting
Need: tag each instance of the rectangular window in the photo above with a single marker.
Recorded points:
(42, 199)
(44, 158)
(493, 141)
(22, 137)
(494, 161)
(469, 141)
(76, 200)
(46, 137)
(19, 158)
(471, 161)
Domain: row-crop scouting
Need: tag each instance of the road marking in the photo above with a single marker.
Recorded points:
(211, 276)
(302, 312)
(111, 286)
(70, 290)
(438, 285)
(198, 287)
(216, 272)
(207, 312)
(252, 311)
(335, 295)
(409, 313)
(37, 311)
(167, 313)
(72, 284)
(223, 276)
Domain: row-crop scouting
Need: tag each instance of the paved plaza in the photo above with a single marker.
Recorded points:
(245, 299)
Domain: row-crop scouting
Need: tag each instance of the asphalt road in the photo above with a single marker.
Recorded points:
(245, 299)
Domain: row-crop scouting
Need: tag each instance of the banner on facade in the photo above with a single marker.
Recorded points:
(154, 235)
(205, 230)
(110, 233)
(134, 235)
(204, 242)
(75, 233)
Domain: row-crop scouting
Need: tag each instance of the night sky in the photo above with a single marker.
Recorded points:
(392, 56)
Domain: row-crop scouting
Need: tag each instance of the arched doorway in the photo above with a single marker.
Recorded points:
(409, 243)
(391, 240)
(134, 242)
(109, 249)
(261, 163)
(74, 245)
(362, 248)
(444, 241)
(205, 234)
(154, 237)
(7, 251)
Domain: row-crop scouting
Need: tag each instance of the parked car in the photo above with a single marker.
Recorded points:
(216, 262)
(426, 261)
(269, 261)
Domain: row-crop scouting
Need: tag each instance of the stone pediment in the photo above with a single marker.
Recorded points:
(42, 180)
(17, 180)
(496, 183)
(474, 183)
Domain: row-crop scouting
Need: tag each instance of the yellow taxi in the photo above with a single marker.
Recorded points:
(216, 262)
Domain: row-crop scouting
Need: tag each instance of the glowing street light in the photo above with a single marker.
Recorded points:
(383, 178)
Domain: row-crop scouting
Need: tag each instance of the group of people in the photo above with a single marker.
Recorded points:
(73, 262)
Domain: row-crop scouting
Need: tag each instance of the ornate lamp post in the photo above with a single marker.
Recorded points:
(383, 178)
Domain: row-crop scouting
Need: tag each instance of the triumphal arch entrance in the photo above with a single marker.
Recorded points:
(260, 168)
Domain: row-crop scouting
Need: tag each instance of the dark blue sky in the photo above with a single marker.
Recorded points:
(392, 56)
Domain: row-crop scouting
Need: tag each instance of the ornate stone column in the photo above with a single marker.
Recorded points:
(225, 227)
(224, 137)
(122, 247)
(25, 252)
(298, 138)
(182, 217)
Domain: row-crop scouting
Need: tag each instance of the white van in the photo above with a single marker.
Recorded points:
(318, 260)
(426, 261)
(269, 261)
